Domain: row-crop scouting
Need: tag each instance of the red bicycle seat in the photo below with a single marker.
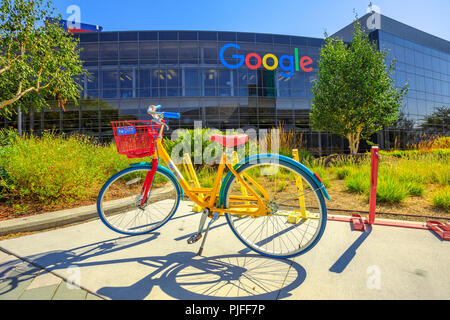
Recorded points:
(230, 141)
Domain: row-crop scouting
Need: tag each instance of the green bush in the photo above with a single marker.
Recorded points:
(414, 188)
(441, 199)
(358, 181)
(342, 172)
(390, 190)
(56, 169)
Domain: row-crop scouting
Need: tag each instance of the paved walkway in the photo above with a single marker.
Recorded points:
(20, 280)
(381, 263)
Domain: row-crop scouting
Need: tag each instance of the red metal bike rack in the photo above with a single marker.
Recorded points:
(356, 220)
(358, 223)
(443, 230)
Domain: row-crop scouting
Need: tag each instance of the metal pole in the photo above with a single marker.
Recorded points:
(373, 184)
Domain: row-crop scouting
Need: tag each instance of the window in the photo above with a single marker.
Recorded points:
(409, 56)
(191, 83)
(89, 52)
(281, 39)
(108, 53)
(187, 35)
(173, 82)
(299, 41)
(208, 52)
(210, 82)
(168, 51)
(145, 77)
(247, 82)
(89, 37)
(264, 38)
(109, 36)
(189, 52)
(109, 84)
(92, 84)
(246, 37)
(225, 83)
(128, 52)
(148, 35)
(283, 85)
(128, 36)
(207, 36)
(227, 36)
(126, 84)
(148, 52)
(168, 35)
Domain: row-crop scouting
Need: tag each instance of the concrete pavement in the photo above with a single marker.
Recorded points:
(20, 280)
(381, 263)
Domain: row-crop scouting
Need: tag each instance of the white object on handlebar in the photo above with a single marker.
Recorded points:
(157, 116)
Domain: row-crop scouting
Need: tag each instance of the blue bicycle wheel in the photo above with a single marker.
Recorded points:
(296, 212)
(119, 201)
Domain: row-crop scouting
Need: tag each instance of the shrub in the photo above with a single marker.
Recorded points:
(56, 168)
(358, 181)
(441, 199)
(390, 190)
(342, 173)
(414, 189)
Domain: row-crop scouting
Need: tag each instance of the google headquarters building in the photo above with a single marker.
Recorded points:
(239, 80)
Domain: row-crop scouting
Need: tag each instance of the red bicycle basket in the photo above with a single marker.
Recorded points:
(136, 138)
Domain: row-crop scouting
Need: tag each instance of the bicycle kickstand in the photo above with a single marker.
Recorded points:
(196, 236)
(213, 219)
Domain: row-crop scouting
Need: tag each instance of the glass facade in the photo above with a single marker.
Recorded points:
(182, 71)
(427, 71)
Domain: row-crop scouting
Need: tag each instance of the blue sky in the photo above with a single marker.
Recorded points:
(292, 17)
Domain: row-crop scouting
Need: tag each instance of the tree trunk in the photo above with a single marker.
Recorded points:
(353, 142)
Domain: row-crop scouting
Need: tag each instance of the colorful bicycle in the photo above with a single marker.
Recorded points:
(272, 203)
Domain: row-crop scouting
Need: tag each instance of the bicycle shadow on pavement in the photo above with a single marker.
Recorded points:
(17, 271)
(179, 275)
(189, 277)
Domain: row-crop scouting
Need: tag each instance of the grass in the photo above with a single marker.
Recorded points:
(441, 199)
(401, 174)
(55, 168)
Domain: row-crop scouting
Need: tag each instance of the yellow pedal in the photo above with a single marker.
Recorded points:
(196, 208)
(296, 216)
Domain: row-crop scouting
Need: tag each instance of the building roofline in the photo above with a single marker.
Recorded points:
(401, 30)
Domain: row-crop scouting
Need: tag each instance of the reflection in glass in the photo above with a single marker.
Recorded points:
(191, 82)
(224, 83)
(126, 84)
(108, 51)
(168, 51)
(210, 82)
(173, 82)
(128, 53)
(148, 52)
(189, 52)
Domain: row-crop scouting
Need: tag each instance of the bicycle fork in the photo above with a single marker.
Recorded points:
(195, 237)
(148, 182)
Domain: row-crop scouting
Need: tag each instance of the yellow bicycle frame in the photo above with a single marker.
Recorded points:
(208, 197)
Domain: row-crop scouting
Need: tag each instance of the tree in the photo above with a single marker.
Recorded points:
(38, 59)
(438, 121)
(354, 95)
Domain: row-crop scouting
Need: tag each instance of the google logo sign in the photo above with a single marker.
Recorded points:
(287, 63)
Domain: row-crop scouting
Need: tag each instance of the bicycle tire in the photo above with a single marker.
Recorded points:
(262, 245)
(131, 201)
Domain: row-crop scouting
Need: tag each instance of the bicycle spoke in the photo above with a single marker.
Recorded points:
(276, 234)
(124, 196)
